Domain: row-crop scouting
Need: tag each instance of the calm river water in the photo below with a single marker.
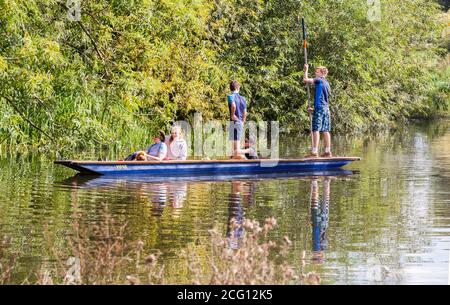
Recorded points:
(387, 222)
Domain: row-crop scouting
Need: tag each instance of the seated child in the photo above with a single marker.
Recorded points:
(155, 152)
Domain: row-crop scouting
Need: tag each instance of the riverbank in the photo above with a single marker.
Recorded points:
(100, 81)
(118, 150)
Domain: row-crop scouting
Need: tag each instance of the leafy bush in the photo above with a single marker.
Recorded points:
(128, 68)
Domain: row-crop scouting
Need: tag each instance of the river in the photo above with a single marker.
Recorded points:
(385, 222)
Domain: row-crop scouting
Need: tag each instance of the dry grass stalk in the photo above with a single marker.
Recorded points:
(253, 263)
(99, 254)
(7, 264)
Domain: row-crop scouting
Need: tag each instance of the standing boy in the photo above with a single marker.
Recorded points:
(321, 115)
(238, 114)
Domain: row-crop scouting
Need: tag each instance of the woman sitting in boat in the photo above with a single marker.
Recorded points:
(155, 152)
(177, 147)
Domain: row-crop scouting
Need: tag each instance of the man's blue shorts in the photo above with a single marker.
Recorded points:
(235, 130)
(321, 120)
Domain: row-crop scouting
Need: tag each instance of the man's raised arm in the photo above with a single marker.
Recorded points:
(306, 79)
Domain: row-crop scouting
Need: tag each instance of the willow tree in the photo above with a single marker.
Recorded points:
(121, 69)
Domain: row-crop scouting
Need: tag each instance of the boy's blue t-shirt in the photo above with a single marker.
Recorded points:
(241, 105)
(322, 93)
(157, 148)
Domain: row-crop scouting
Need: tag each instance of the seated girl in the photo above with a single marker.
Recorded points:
(177, 147)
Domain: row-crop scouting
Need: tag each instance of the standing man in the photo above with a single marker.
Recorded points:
(321, 115)
(238, 114)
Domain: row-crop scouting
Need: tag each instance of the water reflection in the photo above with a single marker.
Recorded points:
(166, 194)
(242, 196)
(394, 215)
(86, 181)
(319, 217)
(159, 194)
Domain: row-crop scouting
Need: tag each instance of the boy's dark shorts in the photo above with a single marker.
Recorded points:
(235, 130)
(321, 120)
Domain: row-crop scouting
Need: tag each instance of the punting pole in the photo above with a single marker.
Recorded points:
(305, 52)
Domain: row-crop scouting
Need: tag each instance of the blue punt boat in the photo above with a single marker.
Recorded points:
(208, 167)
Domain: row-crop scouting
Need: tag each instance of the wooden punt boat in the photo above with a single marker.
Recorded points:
(208, 167)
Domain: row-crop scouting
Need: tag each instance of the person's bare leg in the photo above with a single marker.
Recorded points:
(237, 152)
(327, 142)
(235, 146)
(315, 148)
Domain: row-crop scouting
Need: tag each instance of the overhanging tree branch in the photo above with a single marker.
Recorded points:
(11, 103)
(94, 43)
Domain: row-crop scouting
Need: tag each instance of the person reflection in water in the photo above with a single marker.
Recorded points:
(319, 218)
(241, 196)
(172, 194)
(178, 193)
(158, 197)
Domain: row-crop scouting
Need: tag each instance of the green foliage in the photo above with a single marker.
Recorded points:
(128, 68)
(380, 71)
